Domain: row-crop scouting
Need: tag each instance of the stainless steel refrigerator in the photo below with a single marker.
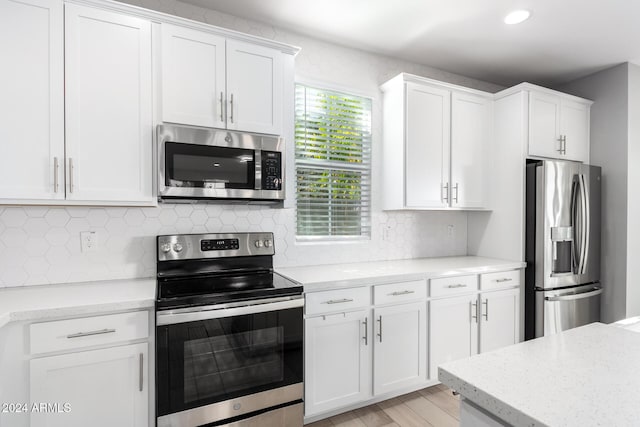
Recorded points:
(562, 278)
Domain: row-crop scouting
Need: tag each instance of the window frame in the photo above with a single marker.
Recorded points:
(366, 218)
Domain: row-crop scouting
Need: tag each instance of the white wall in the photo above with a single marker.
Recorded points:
(42, 245)
(633, 195)
(610, 149)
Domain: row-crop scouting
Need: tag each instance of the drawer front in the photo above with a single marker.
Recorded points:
(502, 279)
(338, 300)
(400, 292)
(454, 285)
(88, 331)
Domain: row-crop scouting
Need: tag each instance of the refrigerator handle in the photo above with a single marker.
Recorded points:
(575, 260)
(575, 296)
(584, 253)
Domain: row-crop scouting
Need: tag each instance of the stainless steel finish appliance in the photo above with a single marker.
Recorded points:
(202, 164)
(229, 333)
(562, 288)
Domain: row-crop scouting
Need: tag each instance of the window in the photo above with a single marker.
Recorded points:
(333, 164)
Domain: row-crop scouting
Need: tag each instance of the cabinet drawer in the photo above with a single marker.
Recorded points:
(453, 285)
(88, 331)
(501, 279)
(338, 300)
(400, 292)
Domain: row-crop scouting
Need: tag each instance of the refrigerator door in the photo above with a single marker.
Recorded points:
(564, 309)
(567, 224)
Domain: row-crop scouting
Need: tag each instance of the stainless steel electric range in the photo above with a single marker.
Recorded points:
(229, 333)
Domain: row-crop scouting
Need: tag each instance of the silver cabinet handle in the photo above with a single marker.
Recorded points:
(231, 108)
(455, 198)
(457, 285)
(445, 198)
(338, 301)
(87, 334)
(221, 107)
(56, 166)
(506, 279)
(395, 294)
(141, 382)
(473, 309)
(563, 144)
(366, 331)
(380, 328)
(70, 175)
(486, 309)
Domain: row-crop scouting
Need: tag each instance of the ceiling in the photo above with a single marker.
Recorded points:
(563, 40)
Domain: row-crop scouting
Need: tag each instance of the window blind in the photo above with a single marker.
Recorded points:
(333, 164)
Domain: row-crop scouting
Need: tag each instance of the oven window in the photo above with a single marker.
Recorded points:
(203, 166)
(209, 361)
(222, 365)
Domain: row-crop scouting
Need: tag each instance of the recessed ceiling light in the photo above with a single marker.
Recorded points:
(516, 17)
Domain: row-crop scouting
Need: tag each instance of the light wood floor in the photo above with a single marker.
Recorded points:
(434, 406)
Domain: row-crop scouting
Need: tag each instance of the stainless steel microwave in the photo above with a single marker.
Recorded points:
(202, 164)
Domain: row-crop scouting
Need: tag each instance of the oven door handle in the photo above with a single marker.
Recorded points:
(172, 317)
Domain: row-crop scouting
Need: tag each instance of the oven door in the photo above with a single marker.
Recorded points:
(217, 363)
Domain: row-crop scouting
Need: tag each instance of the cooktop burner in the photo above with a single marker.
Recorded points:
(206, 269)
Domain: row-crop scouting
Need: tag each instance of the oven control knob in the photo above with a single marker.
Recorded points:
(258, 243)
(267, 243)
(165, 247)
(177, 247)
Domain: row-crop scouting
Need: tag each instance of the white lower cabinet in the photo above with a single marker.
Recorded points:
(462, 326)
(499, 320)
(400, 346)
(101, 388)
(453, 330)
(337, 361)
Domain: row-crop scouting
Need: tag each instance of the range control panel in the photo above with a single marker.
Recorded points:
(271, 170)
(219, 245)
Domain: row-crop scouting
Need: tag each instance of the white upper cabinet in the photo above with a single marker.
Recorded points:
(254, 88)
(211, 81)
(436, 137)
(428, 127)
(558, 126)
(470, 137)
(32, 108)
(193, 77)
(108, 106)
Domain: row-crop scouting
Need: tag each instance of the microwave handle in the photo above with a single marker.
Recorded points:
(257, 157)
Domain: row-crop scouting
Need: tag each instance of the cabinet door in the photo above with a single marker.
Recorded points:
(337, 361)
(427, 133)
(574, 126)
(500, 319)
(470, 138)
(544, 125)
(108, 103)
(254, 88)
(103, 388)
(193, 77)
(32, 107)
(400, 347)
(453, 330)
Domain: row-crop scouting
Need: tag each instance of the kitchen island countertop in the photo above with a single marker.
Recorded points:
(588, 376)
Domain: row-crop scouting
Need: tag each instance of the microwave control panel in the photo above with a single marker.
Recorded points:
(271, 170)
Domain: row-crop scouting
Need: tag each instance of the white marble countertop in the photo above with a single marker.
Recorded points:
(51, 301)
(588, 376)
(365, 273)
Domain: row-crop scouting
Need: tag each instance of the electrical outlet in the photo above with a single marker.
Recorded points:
(88, 241)
(385, 232)
(451, 230)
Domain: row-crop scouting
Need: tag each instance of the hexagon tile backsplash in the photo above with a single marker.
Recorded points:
(41, 245)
